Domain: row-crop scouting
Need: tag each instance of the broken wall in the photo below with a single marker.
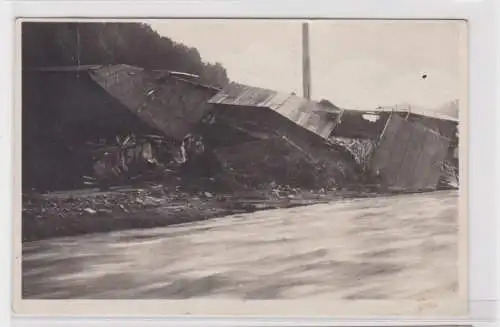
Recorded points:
(409, 156)
(448, 129)
(359, 132)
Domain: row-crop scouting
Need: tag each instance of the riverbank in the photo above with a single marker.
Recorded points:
(77, 212)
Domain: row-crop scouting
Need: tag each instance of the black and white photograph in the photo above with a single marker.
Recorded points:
(244, 160)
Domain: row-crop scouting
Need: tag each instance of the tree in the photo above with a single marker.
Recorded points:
(62, 44)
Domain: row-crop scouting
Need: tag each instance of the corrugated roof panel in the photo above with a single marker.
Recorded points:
(301, 111)
(162, 104)
(125, 83)
(254, 97)
(243, 95)
(277, 101)
(290, 107)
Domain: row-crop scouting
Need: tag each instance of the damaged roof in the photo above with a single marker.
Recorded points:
(171, 102)
(302, 111)
(171, 107)
(322, 118)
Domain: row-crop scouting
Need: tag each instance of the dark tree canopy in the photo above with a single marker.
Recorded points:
(59, 44)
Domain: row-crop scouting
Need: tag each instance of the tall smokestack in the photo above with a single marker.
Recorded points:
(306, 62)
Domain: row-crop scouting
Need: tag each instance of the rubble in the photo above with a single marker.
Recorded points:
(361, 149)
(258, 163)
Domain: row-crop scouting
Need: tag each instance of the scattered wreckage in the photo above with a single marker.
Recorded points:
(118, 122)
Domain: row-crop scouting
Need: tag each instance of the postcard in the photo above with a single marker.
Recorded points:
(241, 167)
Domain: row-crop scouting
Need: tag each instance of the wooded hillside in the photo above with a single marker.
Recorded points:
(58, 44)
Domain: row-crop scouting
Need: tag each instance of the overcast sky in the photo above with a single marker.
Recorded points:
(355, 64)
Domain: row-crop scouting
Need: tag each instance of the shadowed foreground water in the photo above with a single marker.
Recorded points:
(402, 247)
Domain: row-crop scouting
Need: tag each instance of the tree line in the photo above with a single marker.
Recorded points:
(137, 44)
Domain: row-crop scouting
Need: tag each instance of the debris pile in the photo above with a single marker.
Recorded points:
(450, 177)
(360, 149)
(94, 202)
(261, 162)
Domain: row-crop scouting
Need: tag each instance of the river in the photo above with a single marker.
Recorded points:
(401, 247)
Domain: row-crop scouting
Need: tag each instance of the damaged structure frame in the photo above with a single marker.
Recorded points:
(124, 120)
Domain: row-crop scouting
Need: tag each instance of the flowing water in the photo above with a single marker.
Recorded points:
(402, 247)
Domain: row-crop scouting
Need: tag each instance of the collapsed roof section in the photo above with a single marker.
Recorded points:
(370, 124)
(314, 116)
(409, 148)
(168, 101)
(325, 119)
(171, 102)
(67, 108)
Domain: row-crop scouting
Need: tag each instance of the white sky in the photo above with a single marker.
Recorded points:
(355, 64)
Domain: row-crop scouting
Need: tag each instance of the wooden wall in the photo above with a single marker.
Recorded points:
(409, 155)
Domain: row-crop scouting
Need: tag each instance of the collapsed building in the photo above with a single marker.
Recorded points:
(400, 150)
(103, 120)
(404, 149)
(111, 122)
